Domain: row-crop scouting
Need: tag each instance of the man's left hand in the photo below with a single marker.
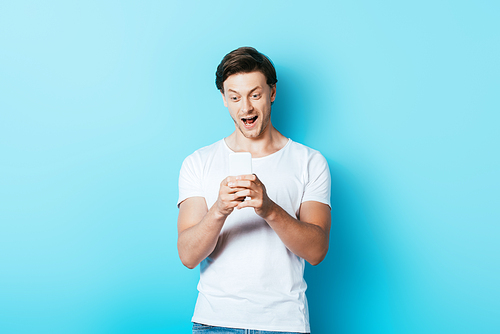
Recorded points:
(251, 186)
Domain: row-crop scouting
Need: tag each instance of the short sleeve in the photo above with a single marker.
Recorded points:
(318, 184)
(190, 181)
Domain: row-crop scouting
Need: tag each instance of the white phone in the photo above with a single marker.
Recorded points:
(240, 163)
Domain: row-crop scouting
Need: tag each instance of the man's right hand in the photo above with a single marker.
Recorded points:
(228, 198)
(199, 227)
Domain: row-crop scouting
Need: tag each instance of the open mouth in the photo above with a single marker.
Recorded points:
(249, 121)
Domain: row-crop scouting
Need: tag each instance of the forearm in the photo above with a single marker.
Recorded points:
(306, 240)
(197, 242)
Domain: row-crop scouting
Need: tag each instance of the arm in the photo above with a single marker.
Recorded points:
(307, 238)
(199, 228)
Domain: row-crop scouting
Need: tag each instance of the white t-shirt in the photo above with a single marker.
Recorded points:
(251, 280)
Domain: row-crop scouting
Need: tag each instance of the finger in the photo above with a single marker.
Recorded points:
(243, 193)
(231, 197)
(232, 204)
(256, 188)
(229, 190)
(249, 177)
(229, 179)
(240, 183)
(225, 181)
(247, 204)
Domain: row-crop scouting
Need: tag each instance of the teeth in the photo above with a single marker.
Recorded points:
(247, 119)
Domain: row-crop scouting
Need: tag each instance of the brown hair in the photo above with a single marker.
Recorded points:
(244, 60)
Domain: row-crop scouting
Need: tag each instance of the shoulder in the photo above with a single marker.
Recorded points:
(196, 164)
(316, 175)
(310, 161)
(204, 153)
(304, 152)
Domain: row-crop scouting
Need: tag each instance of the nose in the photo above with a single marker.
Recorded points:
(246, 105)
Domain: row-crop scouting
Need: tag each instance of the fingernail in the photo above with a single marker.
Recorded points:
(230, 184)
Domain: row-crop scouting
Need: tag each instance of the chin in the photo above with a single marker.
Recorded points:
(252, 134)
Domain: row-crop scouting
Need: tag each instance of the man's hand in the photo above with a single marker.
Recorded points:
(307, 237)
(229, 197)
(199, 227)
(250, 186)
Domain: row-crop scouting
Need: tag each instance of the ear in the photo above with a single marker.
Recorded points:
(273, 93)
(223, 98)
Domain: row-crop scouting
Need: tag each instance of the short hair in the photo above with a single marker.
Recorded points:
(245, 60)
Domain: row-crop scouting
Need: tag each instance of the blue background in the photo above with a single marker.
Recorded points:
(100, 101)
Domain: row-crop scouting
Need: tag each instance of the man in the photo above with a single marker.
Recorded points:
(251, 233)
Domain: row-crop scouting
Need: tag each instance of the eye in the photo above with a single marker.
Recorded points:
(256, 96)
(234, 98)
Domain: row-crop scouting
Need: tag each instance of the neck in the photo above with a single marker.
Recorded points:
(267, 143)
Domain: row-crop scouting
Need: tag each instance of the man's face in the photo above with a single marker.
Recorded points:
(248, 98)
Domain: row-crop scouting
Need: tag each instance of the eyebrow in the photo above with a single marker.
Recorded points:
(232, 90)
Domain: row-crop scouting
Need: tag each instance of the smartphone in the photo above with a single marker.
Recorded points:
(240, 163)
